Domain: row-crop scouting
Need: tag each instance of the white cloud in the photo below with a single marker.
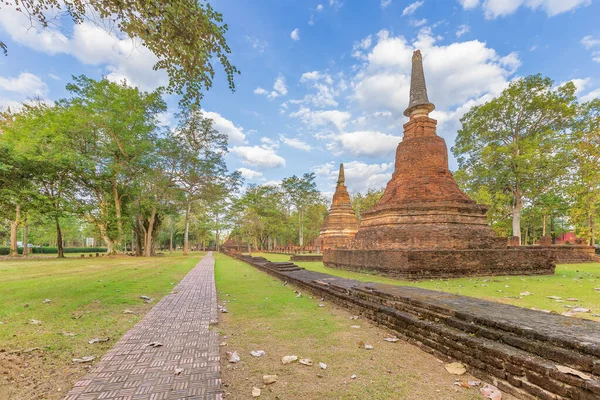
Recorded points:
(363, 143)
(25, 84)
(320, 7)
(590, 42)
(462, 30)
(121, 57)
(455, 73)
(359, 176)
(385, 3)
(338, 119)
(500, 8)
(295, 143)
(580, 84)
(469, 4)
(411, 8)
(418, 22)
(295, 35)
(223, 125)
(249, 173)
(279, 89)
(259, 157)
(594, 94)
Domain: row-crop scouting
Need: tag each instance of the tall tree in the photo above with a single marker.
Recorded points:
(510, 142)
(114, 131)
(201, 162)
(585, 185)
(301, 192)
(185, 35)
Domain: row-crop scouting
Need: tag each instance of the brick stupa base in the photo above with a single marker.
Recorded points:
(424, 225)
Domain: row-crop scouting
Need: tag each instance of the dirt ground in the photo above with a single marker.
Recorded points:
(390, 371)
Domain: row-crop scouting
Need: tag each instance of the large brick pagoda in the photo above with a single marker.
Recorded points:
(341, 224)
(424, 225)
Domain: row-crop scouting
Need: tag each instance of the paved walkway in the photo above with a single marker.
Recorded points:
(132, 370)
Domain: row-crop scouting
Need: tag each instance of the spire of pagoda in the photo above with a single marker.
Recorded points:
(341, 178)
(419, 102)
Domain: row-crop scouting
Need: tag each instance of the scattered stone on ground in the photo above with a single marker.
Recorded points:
(98, 340)
(257, 353)
(355, 326)
(299, 294)
(288, 359)
(233, 357)
(571, 371)
(354, 317)
(321, 305)
(47, 301)
(145, 297)
(255, 392)
(392, 339)
(84, 359)
(524, 294)
(323, 365)
(178, 371)
(491, 392)
(353, 376)
(35, 322)
(269, 379)
(554, 297)
(306, 361)
(368, 347)
(455, 368)
(154, 344)
(70, 334)
(128, 312)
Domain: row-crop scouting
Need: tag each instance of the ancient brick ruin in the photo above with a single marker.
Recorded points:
(341, 224)
(529, 354)
(424, 225)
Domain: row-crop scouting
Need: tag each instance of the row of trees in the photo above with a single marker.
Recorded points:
(102, 156)
(533, 155)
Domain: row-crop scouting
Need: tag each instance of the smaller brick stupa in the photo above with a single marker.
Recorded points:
(424, 225)
(341, 224)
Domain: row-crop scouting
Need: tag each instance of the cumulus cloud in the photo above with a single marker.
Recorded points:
(259, 157)
(234, 133)
(385, 3)
(249, 174)
(469, 4)
(336, 118)
(592, 43)
(363, 143)
(411, 8)
(279, 89)
(594, 94)
(580, 84)
(500, 8)
(295, 143)
(359, 176)
(123, 58)
(418, 22)
(295, 35)
(25, 84)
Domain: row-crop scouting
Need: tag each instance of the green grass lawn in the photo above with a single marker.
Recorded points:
(574, 281)
(87, 299)
(263, 314)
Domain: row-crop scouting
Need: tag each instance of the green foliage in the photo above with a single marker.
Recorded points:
(515, 145)
(362, 202)
(185, 35)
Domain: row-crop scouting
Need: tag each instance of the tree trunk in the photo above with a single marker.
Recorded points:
(109, 243)
(148, 244)
(25, 232)
(217, 232)
(517, 206)
(118, 241)
(171, 241)
(59, 239)
(249, 246)
(544, 225)
(187, 229)
(14, 226)
(300, 230)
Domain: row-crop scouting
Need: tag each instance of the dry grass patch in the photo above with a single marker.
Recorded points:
(263, 314)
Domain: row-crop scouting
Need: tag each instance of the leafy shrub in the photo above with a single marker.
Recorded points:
(4, 251)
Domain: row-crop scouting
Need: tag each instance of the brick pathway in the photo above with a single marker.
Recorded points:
(132, 370)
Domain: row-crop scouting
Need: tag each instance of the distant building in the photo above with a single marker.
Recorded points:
(89, 242)
(566, 238)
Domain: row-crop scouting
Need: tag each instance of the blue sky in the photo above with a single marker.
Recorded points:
(326, 81)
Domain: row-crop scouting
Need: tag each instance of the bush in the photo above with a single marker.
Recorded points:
(4, 251)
